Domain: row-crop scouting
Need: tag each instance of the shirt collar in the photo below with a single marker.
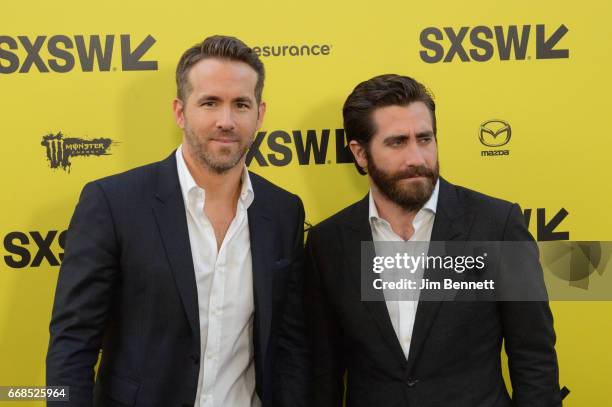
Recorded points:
(430, 205)
(188, 184)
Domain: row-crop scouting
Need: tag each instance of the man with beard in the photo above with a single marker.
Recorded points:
(416, 353)
(180, 272)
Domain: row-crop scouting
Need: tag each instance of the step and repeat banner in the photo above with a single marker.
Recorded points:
(522, 90)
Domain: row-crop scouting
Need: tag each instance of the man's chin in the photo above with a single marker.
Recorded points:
(416, 190)
(224, 163)
(224, 166)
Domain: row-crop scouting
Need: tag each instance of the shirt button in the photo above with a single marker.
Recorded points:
(411, 382)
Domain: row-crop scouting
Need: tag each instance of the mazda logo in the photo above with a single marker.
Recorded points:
(495, 133)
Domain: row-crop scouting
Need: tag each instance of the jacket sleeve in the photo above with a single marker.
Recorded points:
(83, 297)
(528, 328)
(292, 365)
(328, 368)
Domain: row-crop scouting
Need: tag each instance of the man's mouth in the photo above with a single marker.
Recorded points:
(225, 140)
(413, 178)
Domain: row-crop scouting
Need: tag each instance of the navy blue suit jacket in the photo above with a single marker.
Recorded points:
(127, 288)
(454, 357)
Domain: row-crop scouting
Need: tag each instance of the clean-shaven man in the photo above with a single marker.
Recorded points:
(179, 272)
(416, 353)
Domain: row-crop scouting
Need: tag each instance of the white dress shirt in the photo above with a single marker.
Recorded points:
(402, 313)
(224, 280)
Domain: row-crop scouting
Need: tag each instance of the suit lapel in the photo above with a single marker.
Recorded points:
(169, 210)
(357, 230)
(171, 218)
(262, 236)
(451, 224)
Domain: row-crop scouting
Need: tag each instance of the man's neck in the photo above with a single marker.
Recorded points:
(219, 188)
(399, 218)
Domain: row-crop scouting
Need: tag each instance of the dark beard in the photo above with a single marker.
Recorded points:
(410, 197)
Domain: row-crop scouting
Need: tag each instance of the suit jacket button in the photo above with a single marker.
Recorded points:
(196, 359)
(411, 382)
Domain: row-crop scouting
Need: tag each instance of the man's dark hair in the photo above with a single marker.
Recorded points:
(222, 47)
(381, 91)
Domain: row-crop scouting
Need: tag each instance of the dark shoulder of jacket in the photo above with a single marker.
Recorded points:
(329, 227)
(484, 206)
(136, 182)
(273, 193)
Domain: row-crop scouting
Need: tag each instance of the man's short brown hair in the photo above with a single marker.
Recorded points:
(222, 47)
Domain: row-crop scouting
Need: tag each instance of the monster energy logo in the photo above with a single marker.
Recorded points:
(60, 149)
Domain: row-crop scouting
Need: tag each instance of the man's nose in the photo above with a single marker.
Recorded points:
(413, 156)
(225, 119)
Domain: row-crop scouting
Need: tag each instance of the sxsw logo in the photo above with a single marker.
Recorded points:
(31, 249)
(62, 53)
(483, 43)
(546, 229)
(279, 148)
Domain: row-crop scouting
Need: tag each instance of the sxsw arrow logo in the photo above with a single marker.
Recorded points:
(545, 47)
(63, 53)
(482, 43)
(546, 230)
(131, 60)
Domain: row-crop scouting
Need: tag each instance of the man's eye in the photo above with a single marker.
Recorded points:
(396, 142)
(242, 106)
(208, 103)
(425, 140)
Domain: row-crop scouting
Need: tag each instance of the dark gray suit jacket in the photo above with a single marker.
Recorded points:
(454, 357)
(127, 288)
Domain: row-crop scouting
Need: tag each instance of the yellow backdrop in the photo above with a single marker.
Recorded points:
(87, 88)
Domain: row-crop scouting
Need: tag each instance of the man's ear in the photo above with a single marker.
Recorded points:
(359, 153)
(179, 112)
(261, 112)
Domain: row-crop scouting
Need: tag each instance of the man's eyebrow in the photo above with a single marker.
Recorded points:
(243, 99)
(210, 98)
(396, 137)
(423, 134)
(403, 137)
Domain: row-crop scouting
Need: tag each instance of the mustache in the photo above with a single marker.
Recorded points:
(413, 172)
(226, 135)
